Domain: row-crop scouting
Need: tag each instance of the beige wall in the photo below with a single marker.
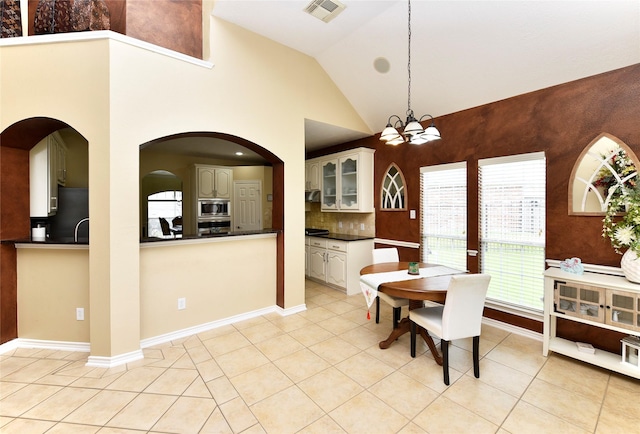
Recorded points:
(219, 279)
(212, 276)
(118, 96)
(52, 283)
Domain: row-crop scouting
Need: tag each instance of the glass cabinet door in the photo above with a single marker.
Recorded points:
(591, 303)
(329, 185)
(349, 182)
(623, 308)
(580, 301)
(566, 298)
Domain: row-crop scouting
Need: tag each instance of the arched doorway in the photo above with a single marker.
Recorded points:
(16, 141)
(178, 144)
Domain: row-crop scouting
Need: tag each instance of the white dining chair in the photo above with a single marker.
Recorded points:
(460, 317)
(389, 254)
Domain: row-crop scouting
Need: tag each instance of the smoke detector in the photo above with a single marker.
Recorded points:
(324, 10)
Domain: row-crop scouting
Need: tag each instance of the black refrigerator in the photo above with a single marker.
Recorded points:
(73, 206)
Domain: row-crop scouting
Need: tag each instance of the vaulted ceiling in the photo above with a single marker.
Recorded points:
(463, 53)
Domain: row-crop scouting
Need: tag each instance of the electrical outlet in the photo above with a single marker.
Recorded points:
(362, 226)
(412, 214)
(80, 313)
(182, 303)
(339, 225)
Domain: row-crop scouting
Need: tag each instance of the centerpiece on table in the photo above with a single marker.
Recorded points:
(624, 231)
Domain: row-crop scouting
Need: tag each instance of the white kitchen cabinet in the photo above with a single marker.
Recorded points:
(347, 181)
(213, 181)
(306, 256)
(595, 298)
(337, 268)
(312, 175)
(47, 169)
(337, 263)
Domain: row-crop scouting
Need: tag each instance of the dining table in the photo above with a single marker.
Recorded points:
(417, 289)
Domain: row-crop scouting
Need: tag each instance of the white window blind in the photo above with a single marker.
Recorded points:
(443, 192)
(512, 228)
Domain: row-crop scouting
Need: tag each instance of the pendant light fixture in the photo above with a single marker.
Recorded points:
(413, 131)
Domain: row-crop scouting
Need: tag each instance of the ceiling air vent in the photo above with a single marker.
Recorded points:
(324, 10)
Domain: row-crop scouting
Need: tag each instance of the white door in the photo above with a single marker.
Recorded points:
(247, 207)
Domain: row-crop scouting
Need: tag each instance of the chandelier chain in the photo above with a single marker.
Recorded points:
(409, 64)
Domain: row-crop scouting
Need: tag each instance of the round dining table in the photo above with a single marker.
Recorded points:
(416, 291)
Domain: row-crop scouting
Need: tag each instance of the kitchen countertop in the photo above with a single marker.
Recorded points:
(342, 237)
(204, 236)
(85, 241)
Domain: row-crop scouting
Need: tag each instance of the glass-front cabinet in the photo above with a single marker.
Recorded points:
(602, 298)
(609, 306)
(329, 184)
(347, 182)
(580, 300)
(624, 309)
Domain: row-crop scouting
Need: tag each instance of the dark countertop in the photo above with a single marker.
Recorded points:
(220, 235)
(85, 241)
(343, 237)
(66, 240)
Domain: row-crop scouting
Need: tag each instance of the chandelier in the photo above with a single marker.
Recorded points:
(413, 131)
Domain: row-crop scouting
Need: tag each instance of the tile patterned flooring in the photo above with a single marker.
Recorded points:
(319, 371)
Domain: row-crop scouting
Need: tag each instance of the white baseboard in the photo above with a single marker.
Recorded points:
(14, 344)
(111, 362)
(179, 334)
(512, 329)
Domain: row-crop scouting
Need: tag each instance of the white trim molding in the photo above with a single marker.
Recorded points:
(189, 331)
(14, 344)
(512, 329)
(397, 243)
(602, 269)
(97, 35)
(112, 362)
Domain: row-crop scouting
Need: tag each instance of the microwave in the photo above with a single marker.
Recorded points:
(208, 208)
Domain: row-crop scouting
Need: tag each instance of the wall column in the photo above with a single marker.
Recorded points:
(114, 253)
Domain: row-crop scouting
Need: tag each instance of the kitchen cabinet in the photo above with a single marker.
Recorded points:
(61, 160)
(337, 263)
(347, 181)
(47, 170)
(596, 298)
(213, 181)
(312, 175)
(306, 256)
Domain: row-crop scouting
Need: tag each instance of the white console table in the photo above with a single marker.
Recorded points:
(597, 297)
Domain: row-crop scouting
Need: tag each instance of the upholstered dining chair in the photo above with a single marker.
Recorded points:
(389, 254)
(460, 317)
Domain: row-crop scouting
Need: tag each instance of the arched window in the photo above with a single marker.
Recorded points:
(393, 189)
(164, 201)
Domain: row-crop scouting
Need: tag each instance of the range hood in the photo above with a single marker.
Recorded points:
(312, 196)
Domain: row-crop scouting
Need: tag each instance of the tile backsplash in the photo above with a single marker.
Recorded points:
(340, 222)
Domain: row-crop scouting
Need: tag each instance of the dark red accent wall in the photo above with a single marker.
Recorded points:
(14, 206)
(560, 121)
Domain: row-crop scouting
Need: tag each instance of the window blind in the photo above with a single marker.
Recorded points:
(443, 223)
(512, 228)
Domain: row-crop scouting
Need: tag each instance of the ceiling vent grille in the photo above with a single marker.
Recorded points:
(324, 10)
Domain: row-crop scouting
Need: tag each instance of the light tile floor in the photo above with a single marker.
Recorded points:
(319, 371)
